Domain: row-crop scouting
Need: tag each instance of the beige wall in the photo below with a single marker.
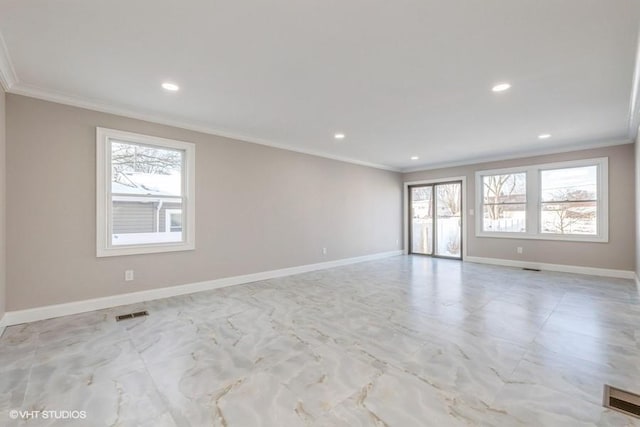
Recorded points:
(3, 269)
(619, 253)
(637, 198)
(258, 208)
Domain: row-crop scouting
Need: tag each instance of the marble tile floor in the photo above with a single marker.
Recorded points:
(404, 341)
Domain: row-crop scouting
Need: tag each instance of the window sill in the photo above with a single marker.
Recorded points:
(143, 249)
(550, 237)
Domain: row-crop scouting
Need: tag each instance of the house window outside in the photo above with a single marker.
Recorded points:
(173, 221)
(558, 201)
(145, 194)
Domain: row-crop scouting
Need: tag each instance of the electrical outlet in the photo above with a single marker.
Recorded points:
(397, 242)
(471, 212)
(324, 251)
(519, 249)
(128, 275)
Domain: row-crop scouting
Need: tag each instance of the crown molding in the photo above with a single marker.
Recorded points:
(8, 77)
(521, 155)
(105, 107)
(94, 105)
(11, 84)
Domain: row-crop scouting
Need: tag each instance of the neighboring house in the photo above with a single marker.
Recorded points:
(146, 203)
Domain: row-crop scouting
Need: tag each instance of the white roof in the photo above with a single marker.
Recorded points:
(148, 184)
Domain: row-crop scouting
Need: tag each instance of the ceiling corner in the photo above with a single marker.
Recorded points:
(8, 77)
(634, 107)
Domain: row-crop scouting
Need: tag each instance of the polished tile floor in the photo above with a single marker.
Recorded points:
(405, 341)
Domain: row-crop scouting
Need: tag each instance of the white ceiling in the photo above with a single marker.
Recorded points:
(400, 78)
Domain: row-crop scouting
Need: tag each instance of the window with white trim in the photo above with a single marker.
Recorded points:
(145, 194)
(557, 201)
(504, 200)
(569, 200)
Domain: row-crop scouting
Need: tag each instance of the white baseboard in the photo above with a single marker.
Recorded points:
(50, 311)
(591, 271)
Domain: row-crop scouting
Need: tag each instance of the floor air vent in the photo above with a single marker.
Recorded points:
(622, 401)
(131, 315)
(531, 269)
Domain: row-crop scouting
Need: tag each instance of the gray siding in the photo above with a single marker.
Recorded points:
(134, 217)
(138, 217)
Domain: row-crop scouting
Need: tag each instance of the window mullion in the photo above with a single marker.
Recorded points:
(533, 200)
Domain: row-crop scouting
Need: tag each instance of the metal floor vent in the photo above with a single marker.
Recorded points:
(531, 269)
(132, 315)
(621, 401)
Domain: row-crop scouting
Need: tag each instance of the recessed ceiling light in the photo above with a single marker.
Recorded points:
(339, 136)
(544, 136)
(172, 87)
(501, 87)
(414, 157)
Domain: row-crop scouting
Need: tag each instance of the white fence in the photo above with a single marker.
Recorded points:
(505, 224)
(448, 237)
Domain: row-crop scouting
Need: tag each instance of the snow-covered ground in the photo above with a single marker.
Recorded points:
(146, 238)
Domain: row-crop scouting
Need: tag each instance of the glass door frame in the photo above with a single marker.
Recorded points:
(409, 217)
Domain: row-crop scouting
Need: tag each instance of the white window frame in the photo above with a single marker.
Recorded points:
(104, 248)
(533, 203)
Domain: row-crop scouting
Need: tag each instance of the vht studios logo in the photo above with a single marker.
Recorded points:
(47, 415)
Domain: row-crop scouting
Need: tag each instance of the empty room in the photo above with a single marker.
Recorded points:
(332, 213)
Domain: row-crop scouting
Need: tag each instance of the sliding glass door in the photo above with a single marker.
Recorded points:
(421, 219)
(436, 219)
(448, 235)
